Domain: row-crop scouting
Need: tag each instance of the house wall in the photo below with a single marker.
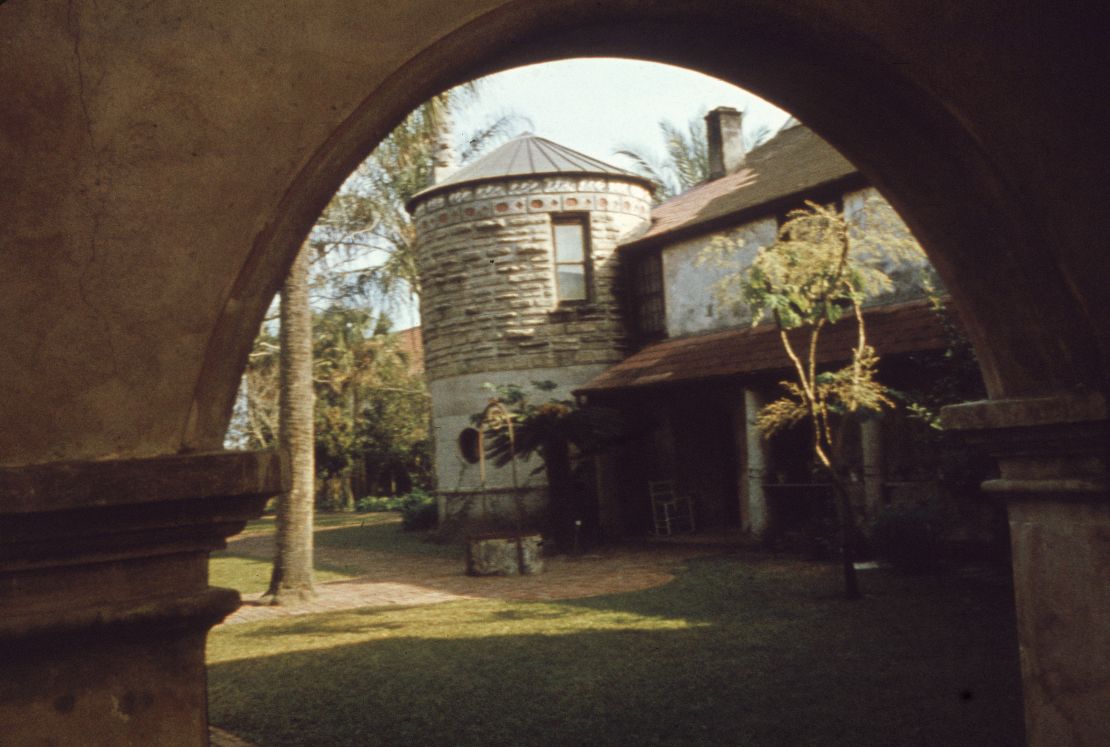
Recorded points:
(910, 275)
(455, 399)
(693, 280)
(690, 283)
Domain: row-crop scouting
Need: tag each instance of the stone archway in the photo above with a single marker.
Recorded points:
(167, 163)
(960, 199)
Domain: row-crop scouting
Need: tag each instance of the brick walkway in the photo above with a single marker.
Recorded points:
(217, 737)
(388, 579)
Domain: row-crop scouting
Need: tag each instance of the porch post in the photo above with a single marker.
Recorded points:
(1054, 455)
(609, 510)
(754, 509)
(104, 588)
(871, 442)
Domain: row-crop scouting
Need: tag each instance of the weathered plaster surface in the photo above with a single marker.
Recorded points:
(1054, 458)
(104, 569)
(455, 399)
(157, 140)
(1061, 556)
(699, 273)
(692, 285)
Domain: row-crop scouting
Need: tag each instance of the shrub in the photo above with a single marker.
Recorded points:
(419, 511)
(909, 538)
(375, 504)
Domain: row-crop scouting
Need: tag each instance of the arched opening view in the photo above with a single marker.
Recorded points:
(716, 338)
(163, 167)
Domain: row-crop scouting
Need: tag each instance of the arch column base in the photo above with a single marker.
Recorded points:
(1054, 458)
(104, 587)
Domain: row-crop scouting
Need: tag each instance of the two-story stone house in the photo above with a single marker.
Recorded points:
(628, 317)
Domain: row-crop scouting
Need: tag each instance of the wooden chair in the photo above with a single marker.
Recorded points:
(670, 511)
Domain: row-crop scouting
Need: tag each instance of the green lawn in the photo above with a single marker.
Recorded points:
(384, 534)
(369, 531)
(252, 576)
(266, 523)
(737, 650)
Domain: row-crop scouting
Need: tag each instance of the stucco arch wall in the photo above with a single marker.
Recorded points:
(162, 161)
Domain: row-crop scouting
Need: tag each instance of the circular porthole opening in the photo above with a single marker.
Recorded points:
(469, 445)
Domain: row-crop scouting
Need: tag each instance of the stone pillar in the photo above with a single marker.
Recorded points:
(753, 507)
(1053, 453)
(105, 596)
(871, 444)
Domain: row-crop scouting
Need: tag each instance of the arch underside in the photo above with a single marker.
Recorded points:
(174, 264)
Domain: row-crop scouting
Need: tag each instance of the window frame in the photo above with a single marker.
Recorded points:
(637, 296)
(582, 220)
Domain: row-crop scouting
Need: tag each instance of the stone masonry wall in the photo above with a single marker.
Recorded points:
(488, 275)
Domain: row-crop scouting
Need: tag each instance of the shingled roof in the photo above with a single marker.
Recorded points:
(793, 163)
(411, 343)
(896, 329)
(527, 155)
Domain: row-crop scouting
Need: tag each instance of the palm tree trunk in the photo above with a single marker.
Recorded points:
(291, 579)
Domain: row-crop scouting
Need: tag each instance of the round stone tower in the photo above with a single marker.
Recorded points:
(519, 284)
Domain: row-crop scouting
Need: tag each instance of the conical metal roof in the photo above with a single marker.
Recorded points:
(527, 155)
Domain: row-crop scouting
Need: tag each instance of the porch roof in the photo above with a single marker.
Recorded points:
(895, 329)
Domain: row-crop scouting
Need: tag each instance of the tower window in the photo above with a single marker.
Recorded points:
(572, 259)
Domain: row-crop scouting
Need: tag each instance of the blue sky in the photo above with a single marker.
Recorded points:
(600, 105)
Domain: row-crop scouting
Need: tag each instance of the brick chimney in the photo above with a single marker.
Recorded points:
(726, 143)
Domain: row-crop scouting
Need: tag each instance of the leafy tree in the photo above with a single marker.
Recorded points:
(686, 160)
(955, 377)
(365, 235)
(254, 422)
(821, 269)
(373, 410)
(552, 430)
(361, 252)
(339, 370)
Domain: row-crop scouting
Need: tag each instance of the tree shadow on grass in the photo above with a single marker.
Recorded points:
(674, 687)
(730, 653)
(364, 620)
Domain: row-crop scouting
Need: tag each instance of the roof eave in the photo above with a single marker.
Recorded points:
(693, 229)
(412, 202)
